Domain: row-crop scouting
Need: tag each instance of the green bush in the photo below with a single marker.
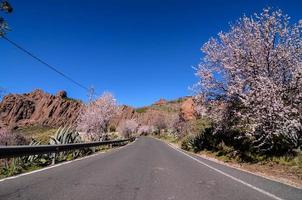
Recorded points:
(199, 125)
(38, 160)
(141, 110)
(205, 140)
(186, 143)
(11, 167)
(298, 160)
(235, 138)
(276, 145)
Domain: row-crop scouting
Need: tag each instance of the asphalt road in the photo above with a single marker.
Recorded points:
(144, 170)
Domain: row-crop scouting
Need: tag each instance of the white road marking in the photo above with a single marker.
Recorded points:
(228, 175)
(290, 184)
(60, 164)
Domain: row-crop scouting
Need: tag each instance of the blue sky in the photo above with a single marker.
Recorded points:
(140, 50)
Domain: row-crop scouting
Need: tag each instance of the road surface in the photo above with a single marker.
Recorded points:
(147, 169)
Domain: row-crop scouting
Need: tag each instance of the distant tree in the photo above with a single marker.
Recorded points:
(172, 120)
(258, 65)
(144, 130)
(159, 121)
(164, 121)
(127, 128)
(6, 7)
(95, 116)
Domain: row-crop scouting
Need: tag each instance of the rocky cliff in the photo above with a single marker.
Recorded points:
(182, 109)
(187, 110)
(38, 108)
(43, 109)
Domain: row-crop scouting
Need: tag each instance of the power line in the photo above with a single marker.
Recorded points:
(45, 63)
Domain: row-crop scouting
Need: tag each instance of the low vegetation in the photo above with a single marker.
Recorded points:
(166, 108)
(63, 135)
(38, 132)
(141, 110)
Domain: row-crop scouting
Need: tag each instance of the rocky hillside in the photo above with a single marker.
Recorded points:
(38, 108)
(182, 108)
(45, 110)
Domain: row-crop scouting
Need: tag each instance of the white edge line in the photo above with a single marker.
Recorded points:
(260, 175)
(227, 175)
(60, 164)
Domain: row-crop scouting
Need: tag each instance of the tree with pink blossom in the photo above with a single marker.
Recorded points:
(145, 130)
(95, 116)
(127, 128)
(258, 65)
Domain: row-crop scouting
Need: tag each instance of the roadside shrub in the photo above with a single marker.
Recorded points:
(235, 138)
(223, 149)
(7, 137)
(10, 167)
(276, 145)
(200, 125)
(205, 140)
(193, 127)
(186, 143)
(37, 160)
(298, 160)
(67, 135)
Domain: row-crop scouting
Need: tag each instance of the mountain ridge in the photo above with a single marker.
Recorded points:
(44, 109)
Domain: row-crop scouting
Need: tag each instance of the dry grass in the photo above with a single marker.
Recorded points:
(40, 133)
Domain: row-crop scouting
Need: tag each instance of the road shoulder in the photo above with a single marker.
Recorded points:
(242, 167)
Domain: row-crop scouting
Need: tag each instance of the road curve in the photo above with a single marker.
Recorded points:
(147, 169)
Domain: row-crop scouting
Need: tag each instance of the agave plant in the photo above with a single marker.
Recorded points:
(38, 159)
(35, 159)
(11, 167)
(66, 135)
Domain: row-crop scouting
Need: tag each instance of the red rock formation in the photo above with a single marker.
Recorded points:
(187, 110)
(38, 108)
(126, 112)
(160, 102)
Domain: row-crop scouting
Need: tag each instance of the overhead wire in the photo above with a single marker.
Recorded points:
(45, 63)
